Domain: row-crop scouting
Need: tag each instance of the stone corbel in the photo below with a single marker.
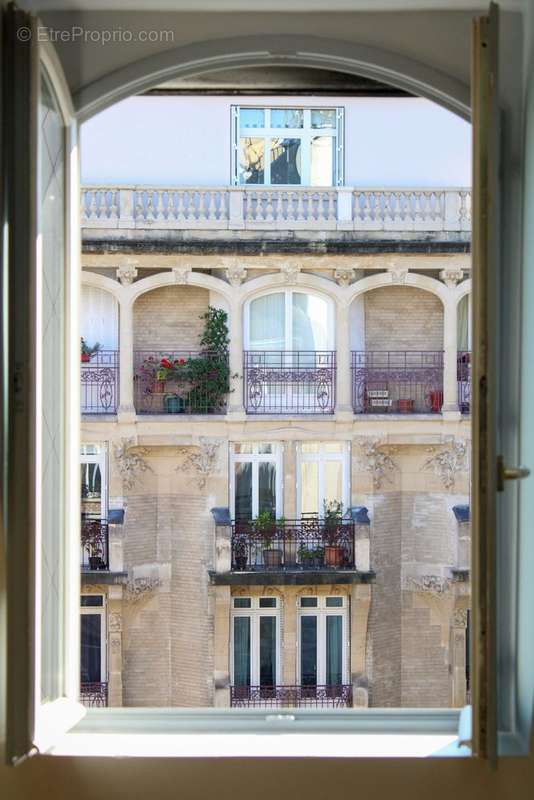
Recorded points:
(127, 272)
(203, 460)
(344, 276)
(377, 460)
(398, 273)
(181, 274)
(451, 276)
(290, 270)
(130, 461)
(236, 274)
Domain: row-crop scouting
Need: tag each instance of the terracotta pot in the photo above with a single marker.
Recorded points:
(272, 558)
(95, 562)
(85, 358)
(333, 555)
(436, 401)
(159, 387)
(405, 406)
(240, 562)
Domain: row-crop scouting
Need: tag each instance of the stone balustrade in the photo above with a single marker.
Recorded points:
(256, 208)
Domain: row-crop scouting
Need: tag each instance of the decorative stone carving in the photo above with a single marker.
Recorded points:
(181, 274)
(459, 619)
(451, 276)
(434, 585)
(377, 460)
(130, 461)
(290, 271)
(114, 622)
(127, 272)
(115, 642)
(236, 274)
(139, 588)
(447, 460)
(344, 276)
(398, 273)
(203, 460)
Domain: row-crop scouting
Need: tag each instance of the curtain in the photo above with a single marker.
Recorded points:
(267, 487)
(463, 323)
(243, 490)
(308, 649)
(334, 651)
(267, 651)
(267, 323)
(310, 322)
(242, 651)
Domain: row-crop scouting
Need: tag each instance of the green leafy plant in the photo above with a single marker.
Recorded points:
(86, 350)
(332, 518)
(265, 527)
(210, 372)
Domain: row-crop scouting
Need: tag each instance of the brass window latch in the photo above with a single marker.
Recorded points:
(505, 473)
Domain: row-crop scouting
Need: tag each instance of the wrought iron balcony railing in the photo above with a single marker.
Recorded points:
(100, 383)
(95, 544)
(333, 696)
(399, 381)
(181, 382)
(94, 695)
(306, 544)
(289, 381)
(464, 381)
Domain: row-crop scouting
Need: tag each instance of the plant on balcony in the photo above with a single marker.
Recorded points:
(92, 543)
(88, 352)
(311, 557)
(332, 519)
(210, 372)
(265, 528)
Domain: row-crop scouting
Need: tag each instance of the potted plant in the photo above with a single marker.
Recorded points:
(92, 543)
(311, 557)
(405, 406)
(240, 553)
(88, 352)
(332, 516)
(265, 527)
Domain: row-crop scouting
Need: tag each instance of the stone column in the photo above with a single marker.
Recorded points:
(450, 346)
(343, 358)
(115, 646)
(126, 408)
(360, 602)
(236, 358)
(221, 674)
(458, 658)
(289, 639)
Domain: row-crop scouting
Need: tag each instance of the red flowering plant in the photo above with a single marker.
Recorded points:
(163, 369)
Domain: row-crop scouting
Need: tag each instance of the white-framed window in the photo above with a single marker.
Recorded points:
(287, 146)
(323, 646)
(93, 480)
(255, 479)
(323, 476)
(289, 320)
(255, 641)
(93, 651)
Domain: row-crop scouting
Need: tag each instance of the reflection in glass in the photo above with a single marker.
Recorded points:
(267, 488)
(308, 649)
(91, 652)
(242, 651)
(334, 650)
(322, 161)
(287, 118)
(267, 651)
(310, 322)
(309, 471)
(333, 489)
(251, 160)
(251, 118)
(267, 322)
(243, 491)
(323, 118)
(285, 161)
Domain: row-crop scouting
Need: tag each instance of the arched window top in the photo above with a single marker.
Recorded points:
(289, 320)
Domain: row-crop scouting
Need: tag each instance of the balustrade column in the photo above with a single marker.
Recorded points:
(235, 404)
(126, 408)
(344, 373)
(450, 359)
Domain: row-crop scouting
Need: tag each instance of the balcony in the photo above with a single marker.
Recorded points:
(180, 382)
(100, 383)
(257, 208)
(94, 695)
(289, 545)
(289, 382)
(94, 545)
(339, 696)
(398, 382)
(464, 381)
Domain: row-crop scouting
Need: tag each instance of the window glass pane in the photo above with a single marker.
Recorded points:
(308, 602)
(267, 651)
(309, 493)
(334, 650)
(323, 118)
(89, 449)
(91, 648)
(265, 448)
(251, 118)
(333, 447)
(310, 447)
(242, 651)
(267, 602)
(244, 447)
(287, 118)
(310, 322)
(333, 490)
(285, 161)
(251, 160)
(92, 600)
(267, 327)
(267, 487)
(242, 602)
(243, 490)
(308, 650)
(334, 602)
(322, 161)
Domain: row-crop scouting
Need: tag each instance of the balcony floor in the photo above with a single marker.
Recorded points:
(281, 577)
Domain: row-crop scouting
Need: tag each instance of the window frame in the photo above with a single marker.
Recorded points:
(100, 611)
(321, 612)
(288, 316)
(255, 613)
(321, 458)
(100, 458)
(275, 457)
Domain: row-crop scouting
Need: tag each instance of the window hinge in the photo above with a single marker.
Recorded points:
(505, 473)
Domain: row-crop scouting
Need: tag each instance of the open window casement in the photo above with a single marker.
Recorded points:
(41, 212)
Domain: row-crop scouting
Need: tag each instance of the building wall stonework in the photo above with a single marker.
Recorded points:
(169, 318)
(403, 318)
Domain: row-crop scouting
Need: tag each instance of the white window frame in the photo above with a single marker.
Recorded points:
(102, 612)
(305, 134)
(288, 294)
(322, 612)
(256, 458)
(321, 457)
(255, 613)
(100, 458)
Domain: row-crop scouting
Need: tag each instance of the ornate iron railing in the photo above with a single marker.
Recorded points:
(397, 381)
(464, 381)
(95, 544)
(100, 383)
(339, 696)
(180, 382)
(94, 695)
(289, 381)
(306, 544)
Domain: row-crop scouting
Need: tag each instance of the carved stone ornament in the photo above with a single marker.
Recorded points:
(139, 588)
(377, 460)
(127, 272)
(434, 585)
(290, 271)
(130, 461)
(459, 619)
(236, 274)
(398, 274)
(446, 461)
(202, 460)
(451, 276)
(114, 622)
(115, 642)
(344, 276)
(181, 274)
